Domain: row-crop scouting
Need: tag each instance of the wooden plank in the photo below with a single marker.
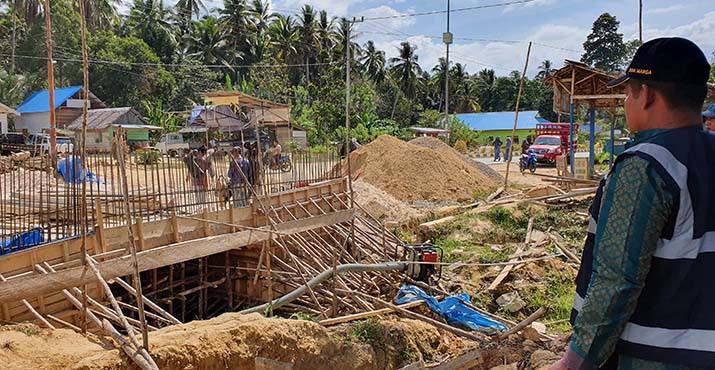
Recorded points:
(33, 285)
(507, 269)
(365, 315)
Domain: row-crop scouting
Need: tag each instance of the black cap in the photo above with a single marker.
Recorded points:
(668, 59)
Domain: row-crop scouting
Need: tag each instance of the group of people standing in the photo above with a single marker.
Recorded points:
(243, 164)
(525, 144)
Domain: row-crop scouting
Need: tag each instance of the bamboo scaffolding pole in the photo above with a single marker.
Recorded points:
(120, 146)
(139, 355)
(148, 302)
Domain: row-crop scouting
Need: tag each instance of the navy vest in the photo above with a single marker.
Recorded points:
(674, 320)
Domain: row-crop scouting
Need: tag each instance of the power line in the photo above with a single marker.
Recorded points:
(150, 64)
(450, 11)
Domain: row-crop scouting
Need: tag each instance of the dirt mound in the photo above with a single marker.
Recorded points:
(411, 172)
(382, 205)
(233, 341)
(440, 146)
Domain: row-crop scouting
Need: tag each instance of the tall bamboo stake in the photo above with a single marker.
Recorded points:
(516, 117)
(83, 156)
(120, 145)
(51, 87)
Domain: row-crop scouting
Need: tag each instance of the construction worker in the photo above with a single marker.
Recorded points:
(199, 169)
(239, 175)
(644, 295)
(709, 118)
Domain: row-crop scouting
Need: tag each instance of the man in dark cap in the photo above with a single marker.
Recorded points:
(644, 297)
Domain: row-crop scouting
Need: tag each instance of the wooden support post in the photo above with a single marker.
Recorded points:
(269, 256)
(201, 291)
(175, 226)
(148, 302)
(229, 281)
(206, 224)
(140, 234)
(99, 215)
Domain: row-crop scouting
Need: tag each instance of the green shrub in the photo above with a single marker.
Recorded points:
(319, 149)
(148, 156)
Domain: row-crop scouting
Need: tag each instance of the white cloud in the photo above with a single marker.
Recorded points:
(386, 11)
(667, 9)
(337, 8)
(700, 32)
(549, 43)
(530, 4)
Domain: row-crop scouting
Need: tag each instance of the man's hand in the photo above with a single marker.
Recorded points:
(559, 365)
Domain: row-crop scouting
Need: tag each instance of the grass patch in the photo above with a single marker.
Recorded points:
(303, 316)
(30, 330)
(367, 331)
(557, 296)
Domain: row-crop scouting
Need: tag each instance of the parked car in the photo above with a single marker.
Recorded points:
(40, 143)
(172, 144)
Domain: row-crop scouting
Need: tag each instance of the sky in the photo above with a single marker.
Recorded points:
(498, 37)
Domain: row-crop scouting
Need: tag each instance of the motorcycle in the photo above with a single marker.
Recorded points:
(528, 161)
(284, 164)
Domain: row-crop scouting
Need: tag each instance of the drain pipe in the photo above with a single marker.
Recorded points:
(290, 297)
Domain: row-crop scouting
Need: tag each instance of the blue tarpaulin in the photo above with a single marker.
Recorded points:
(21, 241)
(452, 309)
(72, 171)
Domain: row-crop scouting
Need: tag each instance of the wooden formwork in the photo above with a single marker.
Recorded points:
(162, 244)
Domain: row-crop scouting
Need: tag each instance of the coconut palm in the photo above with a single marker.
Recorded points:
(101, 14)
(209, 44)
(284, 38)
(486, 85)
(261, 16)
(373, 62)
(405, 69)
(235, 21)
(546, 69)
(309, 39)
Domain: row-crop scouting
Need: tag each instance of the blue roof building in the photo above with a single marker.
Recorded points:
(35, 109)
(500, 124)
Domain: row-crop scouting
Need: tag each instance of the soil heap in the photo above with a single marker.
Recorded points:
(233, 341)
(440, 146)
(412, 172)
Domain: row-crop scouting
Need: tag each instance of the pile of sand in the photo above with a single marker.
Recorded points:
(412, 172)
(233, 341)
(440, 146)
(382, 205)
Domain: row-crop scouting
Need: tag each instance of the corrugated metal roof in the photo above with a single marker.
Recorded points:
(39, 101)
(494, 121)
(100, 119)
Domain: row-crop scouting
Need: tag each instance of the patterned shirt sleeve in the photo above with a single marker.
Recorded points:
(635, 208)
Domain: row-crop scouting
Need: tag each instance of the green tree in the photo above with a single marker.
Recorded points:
(631, 48)
(373, 62)
(486, 86)
(130, 78)
(405, 69)
(604, 47)
(208, 44)
(149, 21)
(546, 69)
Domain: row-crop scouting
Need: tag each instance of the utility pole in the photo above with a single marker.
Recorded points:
(51, 87)
(447, 38)
(507, 154)
(640, 21)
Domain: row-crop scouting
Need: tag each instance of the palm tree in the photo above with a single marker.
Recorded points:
(284, 38)
(309, 43)
(437, 82)
(235, 21)
(373, 62)
(545, 70)
(261, 16)
(486, 85)
(101, 14)
(209, 44)
(326, 31)
(405, 69)
(148, 20)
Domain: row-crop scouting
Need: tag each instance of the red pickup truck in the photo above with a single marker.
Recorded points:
(552, 140)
